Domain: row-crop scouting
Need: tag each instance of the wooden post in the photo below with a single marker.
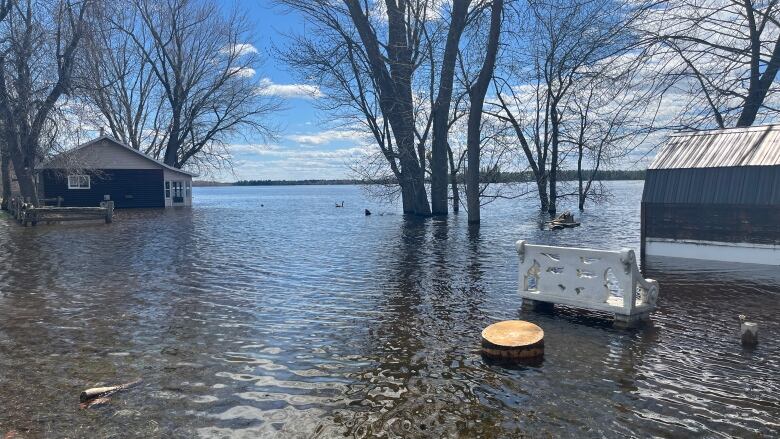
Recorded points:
(25, 207)
(109, 211)
(59, 201)
(748, 332)
(642, 237)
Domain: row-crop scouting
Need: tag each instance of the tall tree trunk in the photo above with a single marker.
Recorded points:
(472, 169)
(25, 178)
(412, 175)
(453, 181)
(396, 102)
(477, 96)
(555, 126)
(759, 87)
(441, 110)
(541, 186)
(171, 156)
(407, 196)
(580, 191)
(5, 170)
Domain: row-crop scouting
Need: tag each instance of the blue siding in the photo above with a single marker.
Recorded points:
(127, 187)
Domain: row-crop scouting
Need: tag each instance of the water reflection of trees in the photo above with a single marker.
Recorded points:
(419, 383)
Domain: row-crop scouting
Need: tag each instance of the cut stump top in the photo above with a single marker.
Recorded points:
(513, 333)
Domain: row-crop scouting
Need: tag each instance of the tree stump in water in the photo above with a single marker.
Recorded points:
(513, 340)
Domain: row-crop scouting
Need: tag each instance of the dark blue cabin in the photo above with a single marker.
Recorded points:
(85, 175)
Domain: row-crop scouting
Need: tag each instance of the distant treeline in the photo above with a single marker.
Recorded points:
(296, 182)
(501, 177)
(563, 175)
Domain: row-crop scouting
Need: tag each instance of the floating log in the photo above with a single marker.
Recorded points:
(513, 340)
(91, 396)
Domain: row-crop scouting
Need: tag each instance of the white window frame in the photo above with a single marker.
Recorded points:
(177, 188)
(188, 189)
(76, 181)
(167, 189)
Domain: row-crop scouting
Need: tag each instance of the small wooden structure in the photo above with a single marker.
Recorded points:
(715, 195)
(599, 280)
(26, 213)
(513, 340)
(102, 167)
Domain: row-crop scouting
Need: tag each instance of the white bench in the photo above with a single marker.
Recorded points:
(599, 280)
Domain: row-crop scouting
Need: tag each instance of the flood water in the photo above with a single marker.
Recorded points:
(299, 319)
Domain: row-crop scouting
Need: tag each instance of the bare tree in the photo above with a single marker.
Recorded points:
(202, 60)
(723, 54)
(563, 45)
(5, 159)
(511, 100)
(121, 88)
(392, 73)
(39, 53)
(377, 83)
(441, 111)
(612, 111)
(476, 92)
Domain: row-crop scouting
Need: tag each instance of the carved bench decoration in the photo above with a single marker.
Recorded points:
(585, 278)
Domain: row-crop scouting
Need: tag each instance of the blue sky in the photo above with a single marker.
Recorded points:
(307, 147)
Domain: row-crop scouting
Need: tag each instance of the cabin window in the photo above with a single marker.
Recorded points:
(177, 189)
(167, 189)
(188, 186)
(78, 182)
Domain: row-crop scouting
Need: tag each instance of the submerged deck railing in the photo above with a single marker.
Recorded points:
(600, 280)
(26, 213)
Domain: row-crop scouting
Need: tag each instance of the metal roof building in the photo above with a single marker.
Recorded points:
(718, 188)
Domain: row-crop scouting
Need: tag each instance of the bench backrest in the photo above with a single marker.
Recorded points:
(597, 279)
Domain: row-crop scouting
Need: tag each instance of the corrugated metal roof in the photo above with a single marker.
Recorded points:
(752, 146)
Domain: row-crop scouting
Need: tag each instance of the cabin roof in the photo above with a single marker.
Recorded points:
(731, 147)
(51, 163)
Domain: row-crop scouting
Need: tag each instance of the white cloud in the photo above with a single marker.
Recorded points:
(240, 49)
(328, 136)
(246, 72)
(256, 148)
(301, 91)
(278, 163)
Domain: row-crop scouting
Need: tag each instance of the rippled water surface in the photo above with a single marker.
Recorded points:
(298, 319)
